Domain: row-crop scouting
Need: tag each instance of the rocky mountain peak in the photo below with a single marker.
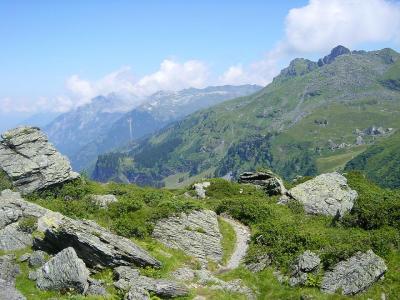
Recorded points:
(335, 52)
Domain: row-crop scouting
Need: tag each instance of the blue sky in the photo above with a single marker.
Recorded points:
(56, 55)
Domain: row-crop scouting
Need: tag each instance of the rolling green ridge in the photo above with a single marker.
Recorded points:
(380, 162)
(297, 125)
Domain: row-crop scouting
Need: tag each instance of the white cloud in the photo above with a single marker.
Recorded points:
(321, 24)
(318, 27)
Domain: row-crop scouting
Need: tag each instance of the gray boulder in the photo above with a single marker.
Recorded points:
(130, 280)
(37, 259)
(104, 200)
(8, 273)
(12, 238)
(200, 189)
(271, 183)
(64, 271)
(355, 274)
(259, 264)
(326, 194)
(196, 233)
(93, 243)
(137, 293)
(31, 162)
(306, 263)
(96, 287)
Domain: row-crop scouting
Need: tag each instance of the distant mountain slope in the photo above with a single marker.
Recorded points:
(72, 130)
(380, 162)
(157, 111)
(299, 124)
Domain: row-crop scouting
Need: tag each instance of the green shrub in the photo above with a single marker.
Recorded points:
(28, 224)
(5, 182)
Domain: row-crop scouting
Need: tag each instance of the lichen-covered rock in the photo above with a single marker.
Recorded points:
(104, 200)
(206, 278)
(12, 238)
(37, 259)
(63, 272)
(200, 189)
(306, 263)
(137, 293)
(355, 274)
(93, 243)
(271, 183)
(8, 273)
(183, 274)
(96, 287)
(196, 233)
(326, 194)
(259, 264)
(31, 162)
(130, 279)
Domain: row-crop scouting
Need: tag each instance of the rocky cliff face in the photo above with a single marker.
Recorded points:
(31, 162)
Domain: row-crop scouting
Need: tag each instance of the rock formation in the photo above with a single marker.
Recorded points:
(31, 162)
(355, 274)
(130, 280)
(8, 273)
(197, 233)
(268, 181)
(63, 272)
(93, 243)
(326, 194)
(306, 263)
(103, 200)
(200, 189)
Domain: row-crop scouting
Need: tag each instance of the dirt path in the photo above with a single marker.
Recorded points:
(242, 240)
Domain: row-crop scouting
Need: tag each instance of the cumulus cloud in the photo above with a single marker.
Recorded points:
(321, 24)
(318, 27)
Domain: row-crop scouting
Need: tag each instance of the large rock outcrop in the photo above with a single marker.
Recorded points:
(326, 194)
(8, 273)
(63, 272)
(95, 245)
(31, 162)
(271, 183)
(130, 280)
(196, 233)
(355, 274)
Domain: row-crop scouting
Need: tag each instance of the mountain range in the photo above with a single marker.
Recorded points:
(108, 122)
(312, 118)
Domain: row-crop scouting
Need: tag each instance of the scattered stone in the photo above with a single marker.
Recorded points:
(31, 162)
(326, 194)
(259, 264)
(96, 288)
(355, 274)
(183, 274)
(359, 140)
(306, 263)
(129, 278)
(8, 273)
(206, 278)
(37, 259)
(271, 183)
(137, 293)
(200, 189)
(63, 272)
(197, 233)
(24, 257)
(104, 200)
(280, 277)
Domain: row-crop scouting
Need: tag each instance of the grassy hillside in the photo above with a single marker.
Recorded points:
(294, 125)
(380, 162)
(283, 232)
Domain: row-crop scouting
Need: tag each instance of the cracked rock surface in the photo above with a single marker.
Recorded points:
(31, 162)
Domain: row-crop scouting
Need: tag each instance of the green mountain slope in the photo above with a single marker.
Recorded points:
(380, 162)
(306, 116)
